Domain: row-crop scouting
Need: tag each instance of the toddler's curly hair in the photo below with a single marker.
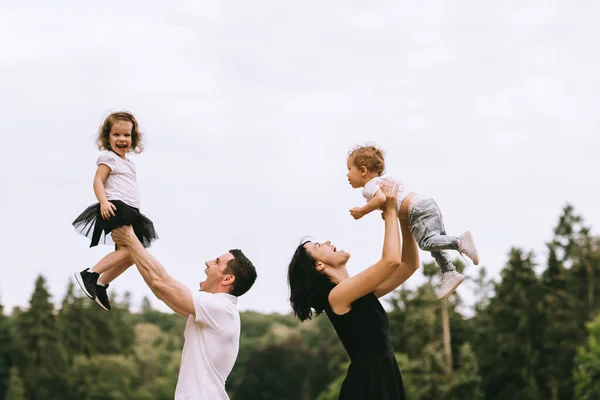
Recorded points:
(368, 156)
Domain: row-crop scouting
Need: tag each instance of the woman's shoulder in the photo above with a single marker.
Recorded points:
(366, 299)
(358, 304)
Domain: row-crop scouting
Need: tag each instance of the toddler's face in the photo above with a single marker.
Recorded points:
(355, 176)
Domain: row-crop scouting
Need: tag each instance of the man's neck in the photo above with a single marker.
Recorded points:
(213, 290)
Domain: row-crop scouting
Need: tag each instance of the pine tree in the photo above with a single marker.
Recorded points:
(40, 355)
(146, 305)
(466, 383)
(5, 351)
(507, 345)
(79, 335)
(119, 324)
(579, 252)
(89, 330)
(15, 390)
(564, 314)
(587, 365)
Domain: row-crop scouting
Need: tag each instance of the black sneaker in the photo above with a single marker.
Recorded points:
(87, 282)
(102, 297)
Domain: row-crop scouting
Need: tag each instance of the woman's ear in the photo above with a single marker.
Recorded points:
(320, 266)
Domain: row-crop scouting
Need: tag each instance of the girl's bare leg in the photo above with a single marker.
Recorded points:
(111, 260)
(113, 272)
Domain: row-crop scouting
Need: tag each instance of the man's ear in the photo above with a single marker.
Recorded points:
(228, 280)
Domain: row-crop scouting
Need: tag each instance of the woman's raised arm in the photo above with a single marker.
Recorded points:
(351, 289)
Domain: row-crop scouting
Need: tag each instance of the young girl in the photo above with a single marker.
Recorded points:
(116, 189)
(365, 168)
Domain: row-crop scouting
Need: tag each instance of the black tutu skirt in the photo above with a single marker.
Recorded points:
(91, 224)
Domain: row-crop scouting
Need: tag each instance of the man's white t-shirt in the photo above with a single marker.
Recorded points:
(212, 340)
(121, 183)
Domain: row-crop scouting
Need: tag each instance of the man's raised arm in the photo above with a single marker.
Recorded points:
(172, 292)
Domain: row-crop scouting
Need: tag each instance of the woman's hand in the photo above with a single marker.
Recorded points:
(390, 189)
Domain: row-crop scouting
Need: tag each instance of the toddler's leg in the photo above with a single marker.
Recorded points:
(428, 229)
(451, 279)
(443, 260)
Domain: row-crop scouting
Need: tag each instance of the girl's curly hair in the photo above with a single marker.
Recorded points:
(103, 139)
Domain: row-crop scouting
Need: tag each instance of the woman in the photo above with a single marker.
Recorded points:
(319, 281)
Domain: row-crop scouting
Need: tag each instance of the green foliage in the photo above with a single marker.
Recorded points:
(167, 322)
(103, 377)
(508, 344)
(525, 338)
(15, 389)
(306, 354)
(587, 365)
(157, 362)
(5, 351)
(332, 391)
(564, 313)
(290, 358)
(466, 383)
(40, 353)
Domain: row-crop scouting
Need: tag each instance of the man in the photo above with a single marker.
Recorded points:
(212, 332)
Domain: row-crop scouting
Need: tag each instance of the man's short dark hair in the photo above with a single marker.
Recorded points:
(243, 270)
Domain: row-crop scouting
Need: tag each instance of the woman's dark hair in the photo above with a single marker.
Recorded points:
(309, 289)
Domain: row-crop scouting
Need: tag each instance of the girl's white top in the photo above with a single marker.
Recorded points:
(372, 187)
(121, 183)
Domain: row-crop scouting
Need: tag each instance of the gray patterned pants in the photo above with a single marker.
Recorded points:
(427, 227)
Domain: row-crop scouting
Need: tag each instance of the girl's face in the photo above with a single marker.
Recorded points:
(120, 137)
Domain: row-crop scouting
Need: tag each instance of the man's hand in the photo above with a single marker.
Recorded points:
(357, 213)
(122, 235)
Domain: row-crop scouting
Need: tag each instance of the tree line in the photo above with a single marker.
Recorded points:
(534, 333)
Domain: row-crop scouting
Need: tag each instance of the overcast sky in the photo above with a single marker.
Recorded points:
(250, 107)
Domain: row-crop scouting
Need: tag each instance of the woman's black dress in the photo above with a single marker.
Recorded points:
(364, 331)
